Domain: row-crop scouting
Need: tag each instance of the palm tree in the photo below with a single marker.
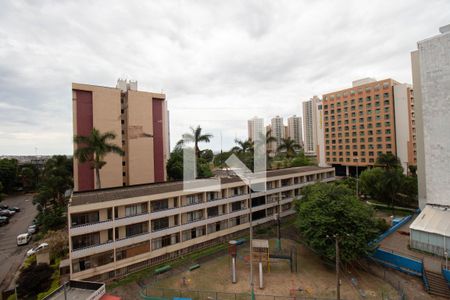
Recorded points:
(290, 146)
(243, 146)
(196, 137)
(94, 147)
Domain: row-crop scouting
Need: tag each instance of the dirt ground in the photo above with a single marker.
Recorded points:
(314, 278)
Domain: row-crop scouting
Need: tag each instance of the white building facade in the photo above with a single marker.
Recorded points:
(430, 231)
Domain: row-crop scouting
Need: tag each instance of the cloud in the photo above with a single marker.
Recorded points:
(219, 62)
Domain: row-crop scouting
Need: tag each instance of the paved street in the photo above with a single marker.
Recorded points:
(11, 256)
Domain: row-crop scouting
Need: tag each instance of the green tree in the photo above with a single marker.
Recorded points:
(1, 191)
(220, 158)
(207, 155)
(300, 160)
(328, 210)
(33, 280)
(195, 136)
(29, 177)
(174, 166)
(289, 146)
(93, 149)
(242, 146)
(388, 161)
(8, 174)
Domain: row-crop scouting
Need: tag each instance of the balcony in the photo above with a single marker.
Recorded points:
(91, 250)
(131, 219)
(91, 227)
(134, 239)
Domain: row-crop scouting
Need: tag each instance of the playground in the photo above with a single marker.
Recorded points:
(298, 272)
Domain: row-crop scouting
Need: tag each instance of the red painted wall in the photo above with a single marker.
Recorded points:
(158, 140)
(84, 127)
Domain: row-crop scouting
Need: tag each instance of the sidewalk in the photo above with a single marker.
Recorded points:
(399, 241)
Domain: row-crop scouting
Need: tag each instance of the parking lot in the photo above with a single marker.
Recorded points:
(11, 256)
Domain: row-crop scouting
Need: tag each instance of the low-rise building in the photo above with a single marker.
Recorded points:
(116, 231)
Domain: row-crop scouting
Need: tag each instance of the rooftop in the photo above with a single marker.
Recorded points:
(116, 193)
(78, 290)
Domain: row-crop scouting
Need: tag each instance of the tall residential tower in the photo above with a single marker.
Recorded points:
(140, 121)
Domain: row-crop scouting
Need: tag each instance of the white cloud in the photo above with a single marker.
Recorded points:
(219, 62)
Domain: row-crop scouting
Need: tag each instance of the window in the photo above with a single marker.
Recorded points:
(159, 205)
(160, 224)
(135, 229)
(135, 209)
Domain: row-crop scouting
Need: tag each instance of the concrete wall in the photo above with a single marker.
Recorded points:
(401, 103)
(419, 128)
(434, 57)
(140, 141)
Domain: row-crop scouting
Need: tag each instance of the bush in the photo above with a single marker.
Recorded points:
(33, 280)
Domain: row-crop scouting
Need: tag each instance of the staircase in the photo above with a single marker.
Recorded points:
(437, 284)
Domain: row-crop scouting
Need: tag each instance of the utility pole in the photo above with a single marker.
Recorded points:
(278, 224)
(338, 284)
(251, 239)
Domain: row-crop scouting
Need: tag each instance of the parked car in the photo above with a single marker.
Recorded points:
(32, 229)
(37, 249)
(15, 208)
(23, 239)
(4, 220)
(5, 213)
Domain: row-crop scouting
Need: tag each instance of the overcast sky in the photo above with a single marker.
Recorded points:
(219, 62)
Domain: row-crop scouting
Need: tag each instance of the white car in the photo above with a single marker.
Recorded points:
(37, 249)
(32, 229)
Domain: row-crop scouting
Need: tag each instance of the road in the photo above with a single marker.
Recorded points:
(11, 256)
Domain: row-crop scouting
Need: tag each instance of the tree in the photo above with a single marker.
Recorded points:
(388, 161)
(196, 137)
(300, 160)
(383, 185)
(29, 177)
(33, 280)
(328, 210)
(174, 166)
(93, 149)
(1, 191)
(290, 146)
(8, 174)
(242, 146)
(207, 155)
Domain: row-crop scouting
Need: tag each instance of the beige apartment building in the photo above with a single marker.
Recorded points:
(113, 232)
(140, 121)
(368, 119)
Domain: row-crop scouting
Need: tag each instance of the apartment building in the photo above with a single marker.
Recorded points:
(278, 130)
(256, 128)
(368, 119)
(140, 121)
(294, 129)
(310, 125)
(113, 232)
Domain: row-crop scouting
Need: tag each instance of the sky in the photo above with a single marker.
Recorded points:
(219, 62)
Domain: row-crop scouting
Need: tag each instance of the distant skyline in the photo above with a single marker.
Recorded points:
(220, 63)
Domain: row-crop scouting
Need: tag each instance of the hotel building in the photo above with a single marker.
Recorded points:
(368, 119)
(140, 121)
(116, 231)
